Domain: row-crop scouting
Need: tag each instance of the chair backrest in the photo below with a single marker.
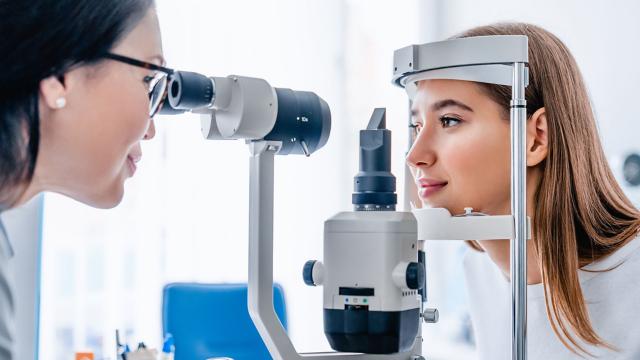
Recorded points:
(210, 320)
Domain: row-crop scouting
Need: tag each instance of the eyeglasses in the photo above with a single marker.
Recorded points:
(157, 83)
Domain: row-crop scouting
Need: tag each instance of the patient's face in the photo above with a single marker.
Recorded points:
(461, 155)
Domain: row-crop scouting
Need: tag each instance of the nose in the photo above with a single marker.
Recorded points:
(151, 131)
(421, 153)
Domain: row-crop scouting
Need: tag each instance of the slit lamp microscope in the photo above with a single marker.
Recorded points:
(373, 270)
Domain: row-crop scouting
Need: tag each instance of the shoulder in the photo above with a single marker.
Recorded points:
(474, 259)
(479, 268)
(628, 256)
(616, 273)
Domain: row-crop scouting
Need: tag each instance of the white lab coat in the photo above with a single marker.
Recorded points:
(7, 308)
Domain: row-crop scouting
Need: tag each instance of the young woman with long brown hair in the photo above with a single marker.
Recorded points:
(584, 256)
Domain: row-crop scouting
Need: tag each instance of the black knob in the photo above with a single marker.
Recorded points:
(415, 276)
(307, 272)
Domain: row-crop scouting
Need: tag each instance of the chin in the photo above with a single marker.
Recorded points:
(432, 204)
(108, 203)
(111, 200)
(106, 199)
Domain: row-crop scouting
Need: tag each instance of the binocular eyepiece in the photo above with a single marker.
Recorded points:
(237, 107)
(189, 90)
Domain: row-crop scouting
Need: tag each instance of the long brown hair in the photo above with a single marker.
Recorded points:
(581, 213)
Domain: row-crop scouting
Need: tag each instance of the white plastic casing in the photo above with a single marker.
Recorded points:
(244, 108)
(439, 224)
(361, 250)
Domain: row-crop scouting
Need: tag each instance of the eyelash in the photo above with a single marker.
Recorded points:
(447, 119)
(444, 120)
(147, 79)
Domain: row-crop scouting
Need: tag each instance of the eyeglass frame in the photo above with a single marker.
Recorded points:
(150, 66)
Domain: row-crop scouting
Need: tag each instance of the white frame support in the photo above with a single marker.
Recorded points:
(518, 259)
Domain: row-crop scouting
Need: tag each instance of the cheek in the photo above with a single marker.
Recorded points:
(123, 120)
(118, 120)
(478, 166)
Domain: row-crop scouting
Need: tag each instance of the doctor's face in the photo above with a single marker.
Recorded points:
(461, 155)
(92, 145)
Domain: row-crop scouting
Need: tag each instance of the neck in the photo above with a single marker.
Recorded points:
(500, 252)
(21, 195)
(29, 190)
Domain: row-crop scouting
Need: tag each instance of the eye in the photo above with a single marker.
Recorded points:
(417, 127)
(448, 121)
(148, 79)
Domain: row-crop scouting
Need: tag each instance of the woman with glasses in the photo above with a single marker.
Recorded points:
(80, 84)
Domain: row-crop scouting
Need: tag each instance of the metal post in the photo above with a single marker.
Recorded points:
(518, 263)
(409, 183)
(260, 287)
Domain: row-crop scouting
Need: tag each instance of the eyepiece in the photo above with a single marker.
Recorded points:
(190, 90)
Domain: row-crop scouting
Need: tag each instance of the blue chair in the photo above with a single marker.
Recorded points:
(210, 320)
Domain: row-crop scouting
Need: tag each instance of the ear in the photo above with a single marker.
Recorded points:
(537, 138)
(53, 92)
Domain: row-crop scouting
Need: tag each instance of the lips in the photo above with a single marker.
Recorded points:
(428, 187)
(135, 157)
(132, 160)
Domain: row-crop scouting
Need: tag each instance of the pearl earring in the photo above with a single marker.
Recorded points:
(61, 102)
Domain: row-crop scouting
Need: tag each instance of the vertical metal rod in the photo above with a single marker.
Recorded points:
(260, 287)
(518, 263)
(409, 184)
(409, 190)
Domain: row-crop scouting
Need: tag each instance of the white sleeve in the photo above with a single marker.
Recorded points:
(7, 306)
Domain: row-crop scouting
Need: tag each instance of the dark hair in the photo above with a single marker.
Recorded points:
(42, 38)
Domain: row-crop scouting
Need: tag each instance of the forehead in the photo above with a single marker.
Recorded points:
(144, 39)
(434, 90)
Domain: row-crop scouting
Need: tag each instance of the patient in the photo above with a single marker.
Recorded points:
(584, 256)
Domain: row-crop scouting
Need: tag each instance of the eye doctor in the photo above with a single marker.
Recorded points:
(81, 82)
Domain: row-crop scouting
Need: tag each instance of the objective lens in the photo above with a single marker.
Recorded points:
(303, 123)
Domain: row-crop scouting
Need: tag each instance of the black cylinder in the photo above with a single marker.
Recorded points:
(374, 186)
(189, 90)
(303, 123)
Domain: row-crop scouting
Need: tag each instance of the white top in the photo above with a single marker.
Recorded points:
(6, 298)
(612, 297)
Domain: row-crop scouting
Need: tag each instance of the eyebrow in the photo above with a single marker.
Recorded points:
(159, 58)
(439, 105)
